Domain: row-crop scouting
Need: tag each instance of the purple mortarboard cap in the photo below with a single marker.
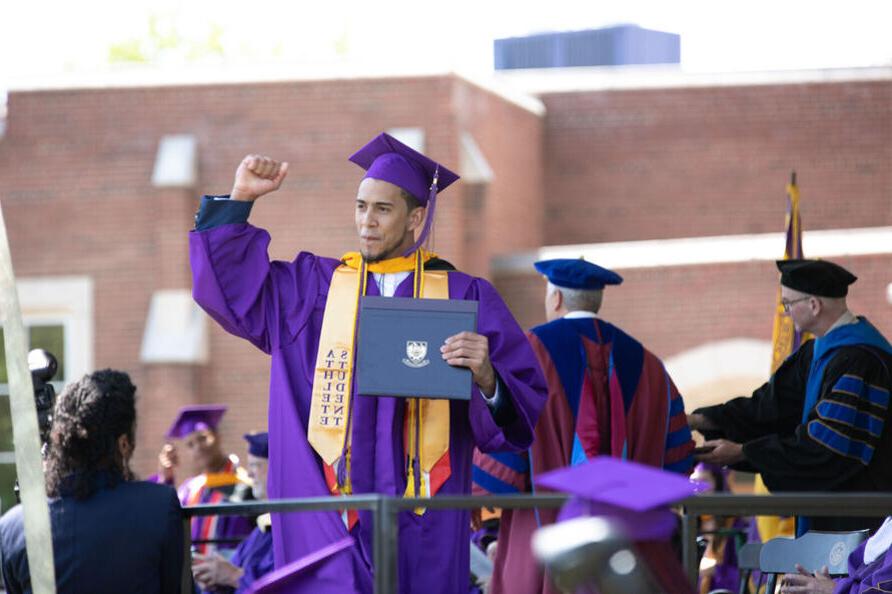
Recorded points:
(196, 418)
(632, 493)
(577, 274)
(300, 575)
(258, 444)
(387, 159)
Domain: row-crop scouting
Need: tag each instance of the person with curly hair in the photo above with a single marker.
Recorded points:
(111, 533)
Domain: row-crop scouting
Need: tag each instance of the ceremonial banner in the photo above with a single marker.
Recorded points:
(785, 339)
(25, 434)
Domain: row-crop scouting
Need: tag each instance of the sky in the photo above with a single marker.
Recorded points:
(42, 40)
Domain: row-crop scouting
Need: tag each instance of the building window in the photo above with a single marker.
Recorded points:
(58, 317)
(48, 336)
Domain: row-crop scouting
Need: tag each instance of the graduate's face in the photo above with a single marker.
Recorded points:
(385, 226)
(202, 448)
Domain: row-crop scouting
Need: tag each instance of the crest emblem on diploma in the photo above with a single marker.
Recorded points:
(416, 354)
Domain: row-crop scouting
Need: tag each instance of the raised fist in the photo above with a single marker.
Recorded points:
(257, 175)
(168, 460)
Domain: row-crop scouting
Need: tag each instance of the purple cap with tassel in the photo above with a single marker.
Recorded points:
(387, 159)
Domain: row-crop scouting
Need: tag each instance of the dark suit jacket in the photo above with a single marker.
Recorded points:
(128, 538)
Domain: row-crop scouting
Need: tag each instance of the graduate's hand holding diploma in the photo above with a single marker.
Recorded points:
(257, 175)
(471, 350)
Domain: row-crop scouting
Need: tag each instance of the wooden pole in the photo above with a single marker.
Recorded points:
(25, 434)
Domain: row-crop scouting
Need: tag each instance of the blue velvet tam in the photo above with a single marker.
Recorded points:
(258, 444)
(577, 274)
(196, 418)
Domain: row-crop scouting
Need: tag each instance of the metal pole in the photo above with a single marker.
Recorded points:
(385, 546)
(186, 583)
(689, 544)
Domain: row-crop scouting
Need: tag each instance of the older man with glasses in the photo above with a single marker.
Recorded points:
(820, 422)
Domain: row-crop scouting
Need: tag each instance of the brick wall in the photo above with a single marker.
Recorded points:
(620, 165)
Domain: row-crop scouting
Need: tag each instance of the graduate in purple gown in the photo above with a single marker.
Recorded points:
(325, 438)
(254, 556)
(608, 396)
(219, 476)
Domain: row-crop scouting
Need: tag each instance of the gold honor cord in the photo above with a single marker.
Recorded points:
(26, 437)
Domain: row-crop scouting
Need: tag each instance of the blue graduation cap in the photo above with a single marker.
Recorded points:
(258, 444)
(577, 274)
(196, 418)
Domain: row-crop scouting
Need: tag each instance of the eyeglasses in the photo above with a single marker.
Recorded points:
(788, 305)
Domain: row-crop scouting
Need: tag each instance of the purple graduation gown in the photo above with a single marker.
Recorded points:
(255, 557)
(866, 579)
(279, 307)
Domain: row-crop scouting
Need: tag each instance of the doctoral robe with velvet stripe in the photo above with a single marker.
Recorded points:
(608, 395)
(845, 443)
(278, 307)
(206, 489)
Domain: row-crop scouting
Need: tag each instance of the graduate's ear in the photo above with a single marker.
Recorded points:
(416, 218)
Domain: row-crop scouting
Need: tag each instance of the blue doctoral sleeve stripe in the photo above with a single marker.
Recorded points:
(491, 483)
(215, 212)
(840, 443)
(678, 437)
(514, 461)
(849, 384)
(855, 386)
(849, 415)
(676, 406)
(878, 396)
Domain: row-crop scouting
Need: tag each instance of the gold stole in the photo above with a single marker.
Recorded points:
(426, 431)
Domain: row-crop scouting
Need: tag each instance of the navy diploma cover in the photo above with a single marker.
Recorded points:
(398, 349)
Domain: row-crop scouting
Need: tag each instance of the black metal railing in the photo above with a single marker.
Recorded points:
(386, 508)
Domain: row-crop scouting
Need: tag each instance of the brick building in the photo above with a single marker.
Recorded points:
(99, 186)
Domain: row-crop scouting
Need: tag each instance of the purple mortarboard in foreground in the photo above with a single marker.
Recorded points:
(196, 418)
(299, 575)
(635, 494)
(387, 159)
(258, 444)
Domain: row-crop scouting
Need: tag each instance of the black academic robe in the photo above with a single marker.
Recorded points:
(845, 443)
